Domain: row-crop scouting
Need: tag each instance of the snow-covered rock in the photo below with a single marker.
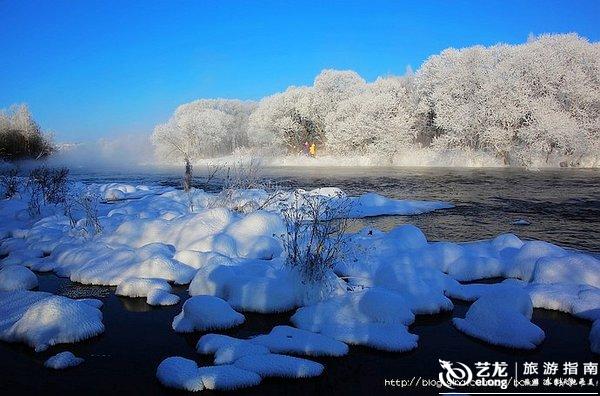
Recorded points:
(63, 360)
(201, 313)
(17, 277)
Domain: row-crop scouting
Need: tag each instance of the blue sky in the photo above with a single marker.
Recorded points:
(90, 69)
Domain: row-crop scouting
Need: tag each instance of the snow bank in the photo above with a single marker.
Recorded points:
(273, 365)
(286, 339)
(45, 320)
(16, 277)
(179, 373)
(502, 317)
(201, 313)
(63, 360)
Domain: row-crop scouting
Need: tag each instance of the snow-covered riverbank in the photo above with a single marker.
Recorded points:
(231, 256)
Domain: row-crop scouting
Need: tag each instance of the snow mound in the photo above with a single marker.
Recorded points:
(63, 360)
(521, 222)
(180, 373)
(54, 320)
(375, 317)
(523, 263)
(248, 284)
(502, 317)
(228, 377)
(286, 339)
(202, 313)
(273, 365)
(17, 277)
(161, 297)
(141, 287)
(574, 268)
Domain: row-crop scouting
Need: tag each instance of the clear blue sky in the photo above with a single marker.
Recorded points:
(91, 68)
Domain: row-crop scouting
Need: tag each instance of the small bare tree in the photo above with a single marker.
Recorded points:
(86, 203)
(315, 236)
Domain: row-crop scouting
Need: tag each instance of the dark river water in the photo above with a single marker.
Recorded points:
(563, 207)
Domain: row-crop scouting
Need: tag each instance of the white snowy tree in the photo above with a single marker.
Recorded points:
(191, 133)
(378, 121)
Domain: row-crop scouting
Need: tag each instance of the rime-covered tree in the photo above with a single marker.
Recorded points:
(20, 135)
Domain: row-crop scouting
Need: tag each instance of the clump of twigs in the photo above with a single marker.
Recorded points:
(84, 203)
(9, 180)
(316, 229)
(46, 186)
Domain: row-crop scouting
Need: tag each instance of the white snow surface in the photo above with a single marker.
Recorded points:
(152, 237)
(63, 360)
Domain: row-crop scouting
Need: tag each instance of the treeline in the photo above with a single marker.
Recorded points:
(21, 137)
(537, 102)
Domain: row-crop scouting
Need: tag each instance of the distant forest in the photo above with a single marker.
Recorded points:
(537, 102)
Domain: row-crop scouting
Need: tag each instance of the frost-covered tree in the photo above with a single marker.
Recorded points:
(518, 102)
(188, 136)
(298, 115)
(20, 135)
(379, 120)
(286, 120)
(524, 104)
